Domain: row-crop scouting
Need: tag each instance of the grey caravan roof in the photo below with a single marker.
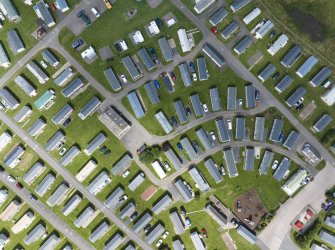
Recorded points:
(50, 243)
(284, 83)
(113, 198)
(54, 141)
(71, 204)
(276, 130)
(197, 242)
(50, 58)
(330, 221)
(266, 162)
(243, 45)
(238, 4)
(22, 114)
(291, 57)
(231, 99)
(147, 61)
(122, 164)
(57, 195)
(127, 210)
(73, 87)
(204, 138)
(45, 184)
(215, 99)
(112, 79)
(152, 93)
(136, 104)
(13, 156)
(131, 68)
(95, 143)
(217, 215)
(174, 159)
(250, 96)
(230, 162)
(249, 161)
(36, 127)
(259, 131)
(62, 114)
(84, 217)
(15, 42)
(327, 237)
(114, 242)
(180, 111)
(240, 128)
(199, 179)
(185, 142)
(246, 234)
(162, 204)
(185, 74)
(322, 123)
(89, 107)
(294, 98)
(4, 60)
(307, 66)
(25, 85)
(64, 76)
(229, 30)
(8, 7)
(69, 156)
(183, 190)
(202, 69)
(136, 182)
(165, 48)
(99, 232)
(142, 222)
(155, 233)
(321, 76)
(177, 245)
(164, 122)
(216, 57)
(213, 170)
(34, 234)
(222, 130)
(98, 183)
(8, 98)
(168, 84)
(197, 107)
(178, 224)
(35, 171)
(218, 16)
(281, 169)
(46, 16)
(267, 72)
(291, 140)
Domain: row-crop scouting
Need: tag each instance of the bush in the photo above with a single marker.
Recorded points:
(150, 154)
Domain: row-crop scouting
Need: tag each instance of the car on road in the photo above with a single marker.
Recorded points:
(2, 169)
(240, 102)
(124, 79)
(107, 152)
(204, 233)
(230, 124)
(126, 173)
(179, 146)
(101, 150)
(275, 164)
(133, 216)
(167, 166)
(159, 243)
(118, 47)
(95, 12)
(76, 44)
(10, 178)
(81, 14)
(165, 234)
(33, 197)
(173, 76)
(212, 134)
(205, 107)
(194, 77)
(44, 65)
(62, 151)
(192, 67)
(157, 85)
(276, 76)
(19, 186)
(182, 210)
(188, 222)
(214, 30)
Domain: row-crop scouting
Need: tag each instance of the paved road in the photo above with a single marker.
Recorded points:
(44, 155)
(47, 214)
(276, 233)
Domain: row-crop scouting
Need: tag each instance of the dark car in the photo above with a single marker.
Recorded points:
(182, 210)
(188, 111)
(257, 95)
(195, 144)
(118, 47)
(76, 44)
(275, 76)
(103, 149)
(81, 14)
(214, 30)
(33, 197)
(298, 108)
(179, 146)
(133, 216)
(19, 186)
(174, 121)
(154, 55)
(107, 152)
(173, 76)
(2, 169)
(147, 228)
(192, 67)
(157, 85)
(67, 122)
(159, 22)
(272, 35)
(204, 232)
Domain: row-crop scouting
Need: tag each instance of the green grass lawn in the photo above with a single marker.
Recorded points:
(111, 30)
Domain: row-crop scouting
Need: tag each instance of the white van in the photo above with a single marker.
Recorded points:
(95, 12)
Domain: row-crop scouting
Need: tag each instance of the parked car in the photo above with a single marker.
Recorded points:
(103, 149)
(67, 122)
(76, 44)
(159, 243)
(204, 233)
(165, 234)
(188, 111)
(44, 65)
(124, 79)
(205, 107)
(123, 198)
(192, 67)
(133, 216)
(107, 152)
(194, 77)
(212, 134)
(272, 34)
(234, 221)
(173, 76)
(240, 102)
(95, 12)
(174, 121)
(33, 197)
(188, 222)
(2, 169)
(81, 14)
(118, 47)
(159, 22)
(195, 144)
(276, 76)
(257, 95)
(154, 55)
(62, 151)
(167, 166)
(275, 164)
(214, 30)
(300, 107)
(179, 146)
(157, 85)
(299, 102)
(19, 186)
(10, 178)
(223, 171)
(126, 173)
(182, 210)
(230, 124)
(147, 228)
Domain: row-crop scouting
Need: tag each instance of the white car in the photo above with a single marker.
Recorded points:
(205, 107)
(123, 198)
(44, 65)
(95, 12)
(275, 164)
(126, 173)
(159, 243)
(230, 124)
(165, 234)
(212, 135)
(62, 151)
(223, 171)
(299, 102)
(194, 76)
(2, 17)
(10, 179)
(124, 79)
(167, 166)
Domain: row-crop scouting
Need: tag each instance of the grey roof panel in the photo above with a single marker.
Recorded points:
(222, 130)
(69, 156)
(180, 111)
(199, 179)
(276, 130)
(142, 222)
(267, 72)
(62, 114)
(136, 104)
(231, 99)
(250, 96)
(165, 48)
(307, 66)
(185, 74)
(239, 4)
(266, 162)
(218, 16)
(230, 162)
(229, 30)
(291, 57)
(240, 128)
(185, 142)
(291, 140)
(259, 131)
(177, 222)
(243, 45)
(284, 83)
(89, 107)
(112, 79)
(249, 161)
(54, 141)
(294, 98)
(152, 93)
(162, 204)
(322, 123)
(131, 68)
(202, 69)
(174, 159)
(197, 106)
(215, 99)
(213, 170)
(281, 169)
(122, 164)
(113, 198)
(73, 87)
(246, 234)
(183, 190)
(204, 139)
(147, 61)
(321, 76)
(216, 57)
(155, 233)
